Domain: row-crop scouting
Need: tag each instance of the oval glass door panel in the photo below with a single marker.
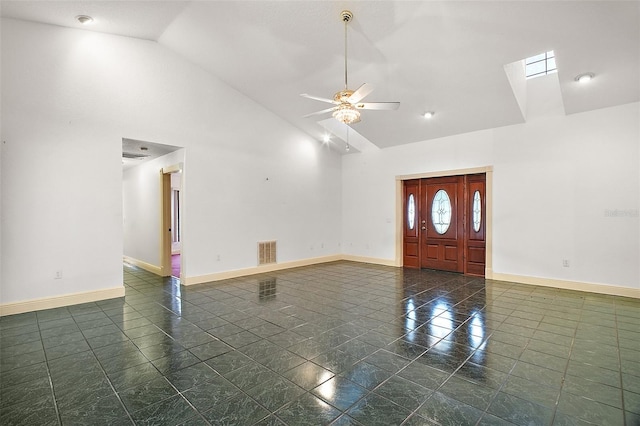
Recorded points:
(477, 211)
(441, 211)
(411, 211)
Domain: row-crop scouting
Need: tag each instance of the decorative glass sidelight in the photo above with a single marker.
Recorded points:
(441, 211)
(411, 212)
(477, 211)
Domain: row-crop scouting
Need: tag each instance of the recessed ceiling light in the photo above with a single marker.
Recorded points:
(84, 19)
(584, 78)
(326, 138)
(428, 114)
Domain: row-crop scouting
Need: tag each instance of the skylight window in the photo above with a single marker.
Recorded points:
(539, 65)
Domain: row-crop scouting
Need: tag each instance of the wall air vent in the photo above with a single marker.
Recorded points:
(134, 156)
(266, 252)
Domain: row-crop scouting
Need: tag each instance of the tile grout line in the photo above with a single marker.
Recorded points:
(46, 361)
(624, 411)
(178, 392)
(566, 368)
(104, 373)
(502, 385)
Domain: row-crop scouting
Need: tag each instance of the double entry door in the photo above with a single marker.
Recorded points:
(444, 223)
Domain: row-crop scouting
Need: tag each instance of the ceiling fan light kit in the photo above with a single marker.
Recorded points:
(346, 113)
(347, 102)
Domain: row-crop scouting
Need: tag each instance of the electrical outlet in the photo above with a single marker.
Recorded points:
(565, 263)
(58, 275)
(218, 258)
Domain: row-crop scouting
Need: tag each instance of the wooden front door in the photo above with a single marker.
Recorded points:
(445, 228)
(410, 237)
(441, 218)
(475, 225)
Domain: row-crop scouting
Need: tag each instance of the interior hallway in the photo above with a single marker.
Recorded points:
(340, 343)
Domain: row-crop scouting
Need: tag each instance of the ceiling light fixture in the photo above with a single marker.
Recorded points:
(84, 19)
(585, 78)
(326, 138)
(428, 114)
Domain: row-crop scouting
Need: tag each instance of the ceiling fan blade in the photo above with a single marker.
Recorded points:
(360, 93)
(378, 105)
(316, 98)
(324, 111)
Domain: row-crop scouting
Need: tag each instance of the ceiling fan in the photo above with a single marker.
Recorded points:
(347, 102)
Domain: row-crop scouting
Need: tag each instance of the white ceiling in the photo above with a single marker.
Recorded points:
(136, 152)
(140, 19)
(442, 56)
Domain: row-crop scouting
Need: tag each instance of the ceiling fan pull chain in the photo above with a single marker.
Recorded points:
(347, 147)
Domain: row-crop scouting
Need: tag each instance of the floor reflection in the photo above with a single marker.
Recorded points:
(446, 323)
(267, 289)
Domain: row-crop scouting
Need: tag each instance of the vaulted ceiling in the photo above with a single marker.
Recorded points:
(441, 56)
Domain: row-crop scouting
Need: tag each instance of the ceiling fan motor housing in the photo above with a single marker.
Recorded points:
(343, 96)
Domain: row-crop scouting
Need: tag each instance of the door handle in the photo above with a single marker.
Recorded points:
(424, 228)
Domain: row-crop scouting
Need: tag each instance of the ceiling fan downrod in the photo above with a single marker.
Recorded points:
(347, 16)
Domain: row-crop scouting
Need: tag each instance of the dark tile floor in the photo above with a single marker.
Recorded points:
(341, 343)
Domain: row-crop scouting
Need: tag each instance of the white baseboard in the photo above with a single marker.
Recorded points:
(569, 285)
(259, 269)
(110, 293)
(489, 274)
(143, 265)
(59, 301)
(374, 260)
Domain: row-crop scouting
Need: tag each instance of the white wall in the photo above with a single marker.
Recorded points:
(61, 210)
(553, 180)
(66, 105)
